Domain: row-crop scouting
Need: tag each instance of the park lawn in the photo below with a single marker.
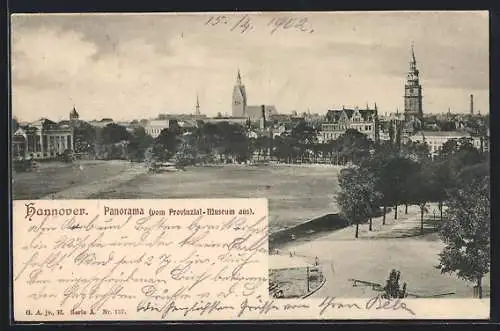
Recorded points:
(295, 194)
(53, 177)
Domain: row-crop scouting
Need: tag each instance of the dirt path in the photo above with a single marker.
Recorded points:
(396, 245)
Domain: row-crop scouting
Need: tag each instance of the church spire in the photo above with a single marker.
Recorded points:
(413, 52)
(413, 61)
(238, 78)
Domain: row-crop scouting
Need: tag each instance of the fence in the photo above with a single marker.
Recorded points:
(294, 282)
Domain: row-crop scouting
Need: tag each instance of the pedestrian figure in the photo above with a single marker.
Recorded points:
(291, 255)
(316, 261)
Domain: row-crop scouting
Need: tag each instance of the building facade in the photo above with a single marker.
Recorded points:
(413, 94)
(436, 139)
(42, 139)
(339, 121)
(234, 120)
(255, 114)
(155, 127)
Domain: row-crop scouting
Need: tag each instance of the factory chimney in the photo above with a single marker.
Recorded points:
(263, 117)
(472, 104)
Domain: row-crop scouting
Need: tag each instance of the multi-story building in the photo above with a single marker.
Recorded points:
(436, 139)
(42, 139)
(339, 121)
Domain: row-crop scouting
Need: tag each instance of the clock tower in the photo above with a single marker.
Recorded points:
(413, 94)
(239, 104)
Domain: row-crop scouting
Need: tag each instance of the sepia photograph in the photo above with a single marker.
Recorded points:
(367, 133)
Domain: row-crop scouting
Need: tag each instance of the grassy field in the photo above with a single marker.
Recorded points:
(295, 194)
(54, 177)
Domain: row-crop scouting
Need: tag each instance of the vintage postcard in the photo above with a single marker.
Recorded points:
(250, 166)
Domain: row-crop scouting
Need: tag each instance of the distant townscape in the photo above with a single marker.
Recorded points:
(358, 195)
(253, 133)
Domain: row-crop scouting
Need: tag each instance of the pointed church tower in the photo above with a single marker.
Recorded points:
(413, 92)
(239, 103)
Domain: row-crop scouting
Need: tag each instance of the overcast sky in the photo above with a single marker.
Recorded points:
(136, 66)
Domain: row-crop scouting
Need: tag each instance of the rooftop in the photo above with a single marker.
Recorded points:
(442, 134)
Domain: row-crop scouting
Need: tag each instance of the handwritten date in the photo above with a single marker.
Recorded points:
(275, 24)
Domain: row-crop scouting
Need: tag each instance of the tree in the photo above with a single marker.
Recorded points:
(224, 139)
(392, 174)
(113, 133)
(459, 153)
(466, 233)
(165, 145)
(411, 186)
(304, 136)
(421, 190)
(285, 149)
(454, 157)
(151, 158)
(84, 138)
(354, 146)
(139, 142)
(392, 289)
(374, 198)
(469, 174)
(356, 189)
(416, 151)
(186, 154)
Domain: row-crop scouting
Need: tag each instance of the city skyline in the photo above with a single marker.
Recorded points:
(136, 66)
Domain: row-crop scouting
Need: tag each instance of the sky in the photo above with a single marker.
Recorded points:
(132, 66)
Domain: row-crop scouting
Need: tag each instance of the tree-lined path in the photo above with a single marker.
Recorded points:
(397, 244)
